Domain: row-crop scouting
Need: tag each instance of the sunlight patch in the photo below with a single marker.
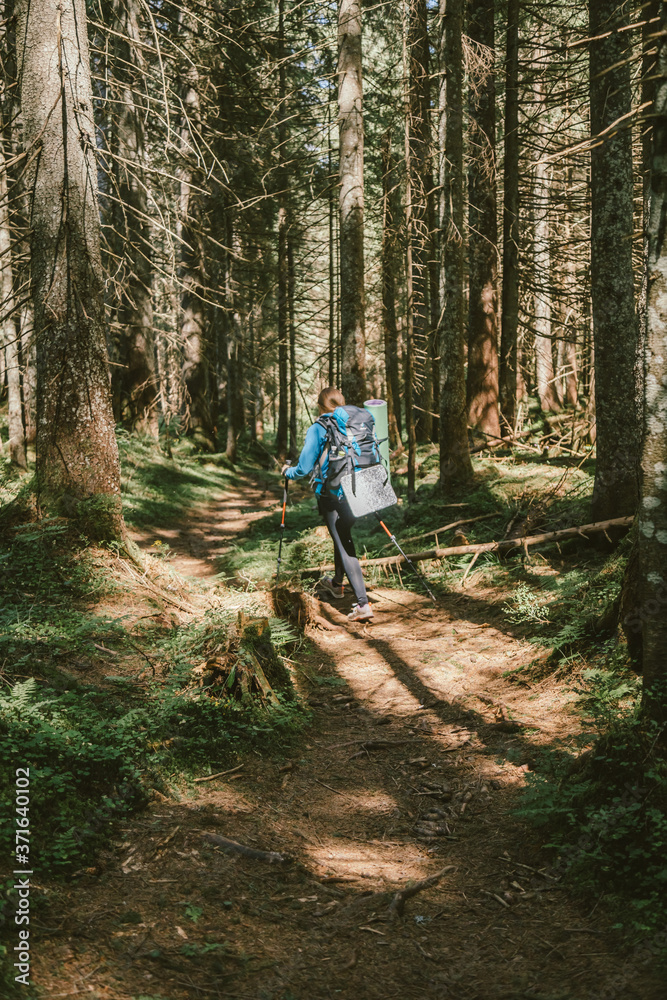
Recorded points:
(391, 862)
(374, 683)
(362, 801)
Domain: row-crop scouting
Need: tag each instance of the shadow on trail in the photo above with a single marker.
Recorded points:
(502, 739)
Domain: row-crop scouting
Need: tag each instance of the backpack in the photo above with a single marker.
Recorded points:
(351, 444)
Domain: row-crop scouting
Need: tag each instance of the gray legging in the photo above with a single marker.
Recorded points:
(339, 520)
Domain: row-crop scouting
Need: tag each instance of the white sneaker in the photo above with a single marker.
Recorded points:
(361, 613)
(336, 590)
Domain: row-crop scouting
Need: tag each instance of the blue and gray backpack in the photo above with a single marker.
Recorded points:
(351, 444)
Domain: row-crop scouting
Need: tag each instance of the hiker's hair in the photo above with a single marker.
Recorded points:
(330, 398)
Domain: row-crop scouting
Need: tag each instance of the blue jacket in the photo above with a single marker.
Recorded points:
(312, 449)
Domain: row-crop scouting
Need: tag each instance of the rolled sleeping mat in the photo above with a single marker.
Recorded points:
(378, 410)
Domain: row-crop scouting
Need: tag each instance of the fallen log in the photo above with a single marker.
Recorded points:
(447, 527)
(502, 546)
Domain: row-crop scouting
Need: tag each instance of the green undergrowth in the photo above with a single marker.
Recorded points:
(600, 796)
(99, 704)
(604, 811)
(571, 614)
(160, 490)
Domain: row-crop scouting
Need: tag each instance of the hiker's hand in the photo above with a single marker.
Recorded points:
(285, 468)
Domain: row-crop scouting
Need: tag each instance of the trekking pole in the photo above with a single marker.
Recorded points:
(407, 559)
(282, 527)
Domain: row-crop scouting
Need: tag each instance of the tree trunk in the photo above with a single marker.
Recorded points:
(511, 233)
(649, 62)
(544, 365)
(132, 226)
(568, 378)
(283, 232)
(283, 334)
(256, 409)
(652, 535)
(418, 186)
(331, 371)
(390, 331)
(291, 293)
(199, 420)
(432, 348)
(567, 369)
(28, 371)
(455, 463)
(232, 340)
(615, 327)
(17, 443)
(351, 147)
(482, 384)
(77, 454)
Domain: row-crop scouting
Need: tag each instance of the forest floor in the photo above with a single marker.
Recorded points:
(422, 729)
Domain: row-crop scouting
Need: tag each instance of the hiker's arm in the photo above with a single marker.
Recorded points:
(310, 453)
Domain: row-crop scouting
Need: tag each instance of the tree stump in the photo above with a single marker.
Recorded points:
(249, 666)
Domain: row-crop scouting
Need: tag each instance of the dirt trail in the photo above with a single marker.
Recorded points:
(411, 765)
(196, 545)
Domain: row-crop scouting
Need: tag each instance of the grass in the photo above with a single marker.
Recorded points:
(85, 739)
(158, 490)
(94, 699)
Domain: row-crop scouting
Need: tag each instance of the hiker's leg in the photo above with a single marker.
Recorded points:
(329, 515)
(339, 568)
(342, 526)
(344, 562)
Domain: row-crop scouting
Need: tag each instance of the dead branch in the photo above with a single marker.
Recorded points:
(501, 546)
(398, 902)
(158, 591)
(219, 774)
(271, 857)
(446, 527)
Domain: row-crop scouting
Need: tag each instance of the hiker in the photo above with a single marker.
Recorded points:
(333, 507)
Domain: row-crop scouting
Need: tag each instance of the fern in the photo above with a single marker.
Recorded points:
(20, 697)
(282, 633)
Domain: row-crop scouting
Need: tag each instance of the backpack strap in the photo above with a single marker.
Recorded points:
(316, 476)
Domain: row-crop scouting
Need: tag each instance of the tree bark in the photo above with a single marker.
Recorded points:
(18, 329)
(77, 454)
(615, 327)
(332, 352)
(10, 340)
(652, 535)
(455, 463)
(418, 186)
(482, 382)
(28, 356)
(351, 147)
(648, 91)
(511, 233)
(232, 340)
(291, 293)
(390, 330)
(283, 334)
(199, 421)
(544, 365)
(283, 270)
(135, 313)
